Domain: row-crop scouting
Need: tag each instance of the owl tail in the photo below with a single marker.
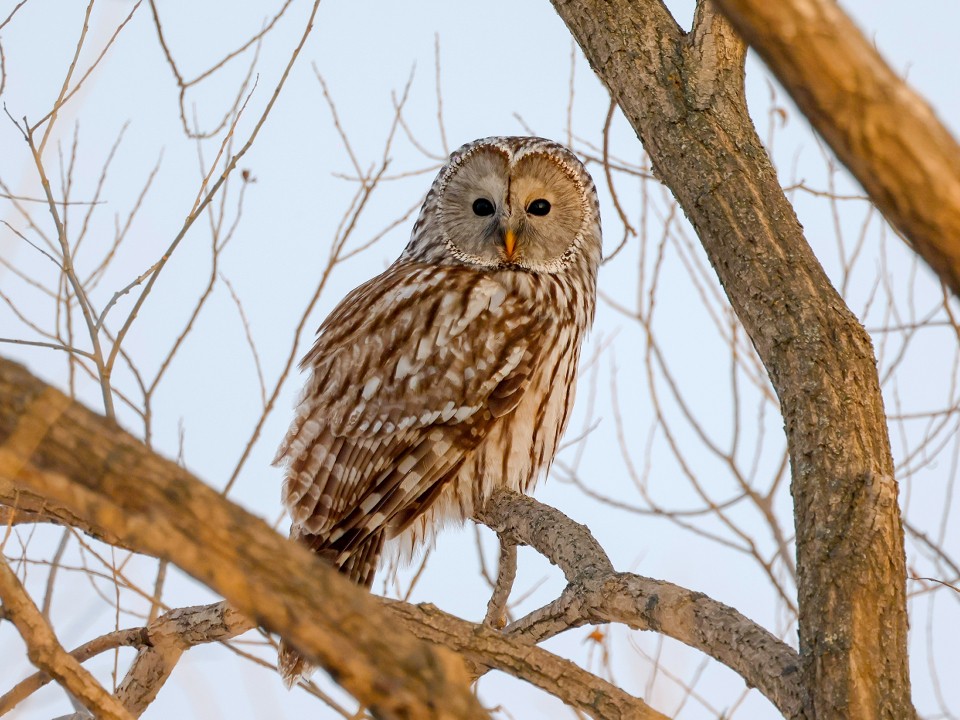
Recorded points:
(360, 566)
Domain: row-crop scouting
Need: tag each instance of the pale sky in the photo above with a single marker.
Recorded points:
(500, 61)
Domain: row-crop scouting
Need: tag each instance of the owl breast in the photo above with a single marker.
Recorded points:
(519, 447)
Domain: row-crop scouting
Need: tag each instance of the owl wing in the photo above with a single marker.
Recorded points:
(408, 374)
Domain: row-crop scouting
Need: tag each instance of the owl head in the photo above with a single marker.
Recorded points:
(522, 203)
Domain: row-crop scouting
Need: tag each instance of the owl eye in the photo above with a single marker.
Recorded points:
(482, 207)
(539, 207)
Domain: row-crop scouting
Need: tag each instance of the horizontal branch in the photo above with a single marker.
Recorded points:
(22, 506)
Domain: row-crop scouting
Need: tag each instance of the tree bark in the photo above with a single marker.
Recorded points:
(683, 95)
(163, 640)
(597, 594)
(487, 648)
(45, 651)
(55, 448)
(882, 130)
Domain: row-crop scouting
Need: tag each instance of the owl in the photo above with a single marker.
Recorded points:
(451, 374)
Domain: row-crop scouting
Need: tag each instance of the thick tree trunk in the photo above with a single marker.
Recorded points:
(683, 94)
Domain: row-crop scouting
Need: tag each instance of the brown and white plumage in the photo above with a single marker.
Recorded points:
(452, 373)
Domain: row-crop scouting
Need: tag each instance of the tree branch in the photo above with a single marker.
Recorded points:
(598, 594)
(116, 486)
(166, 639)
(45, 651)
(506, 573)
(133, 637)
(58, 449)
(24, 506)
(882, 130)
(486, 648)
(160, 644)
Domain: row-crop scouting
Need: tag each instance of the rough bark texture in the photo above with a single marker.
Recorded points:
(55, 448)
(683, 94)
(877, 125)
(166, 639)
(159, 644)
(487, 649)
(45, 651)
(598, 594)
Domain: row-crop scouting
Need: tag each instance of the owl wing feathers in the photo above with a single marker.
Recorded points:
(401, 388)
(450, 374)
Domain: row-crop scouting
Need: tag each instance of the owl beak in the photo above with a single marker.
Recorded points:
(509, 243)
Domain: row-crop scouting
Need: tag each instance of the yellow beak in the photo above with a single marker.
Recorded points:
(509, 243)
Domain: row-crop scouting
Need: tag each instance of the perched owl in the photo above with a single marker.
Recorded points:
(452, 373)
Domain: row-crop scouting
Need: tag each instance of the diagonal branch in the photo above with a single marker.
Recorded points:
(46, 653)
(879, 127)
(160, 645)
(45, 439)
(166, 639)
(133, 637)
(59, 450)
(486, 648)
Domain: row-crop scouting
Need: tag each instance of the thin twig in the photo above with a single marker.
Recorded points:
(250, 342)
(52, 346)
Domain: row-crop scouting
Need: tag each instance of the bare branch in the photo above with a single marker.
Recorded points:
(185, 85)
(598, 594)
(46, 652)
(52, 346)
(69, 271)
(62, 451)
(13, 12)
(851, 566)
(36, 247)
(250, 342)
(214, 188)
(507, 572)
(25, 688)
(52, 116)
(165, 640)
(166, 637)
(65, 96)
(487, 648)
